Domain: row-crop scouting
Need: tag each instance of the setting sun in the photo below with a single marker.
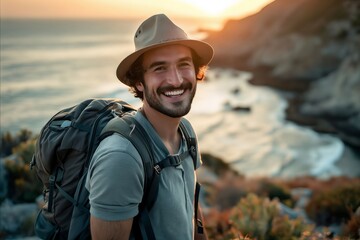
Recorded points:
(213, 7)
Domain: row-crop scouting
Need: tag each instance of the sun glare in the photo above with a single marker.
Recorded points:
(213, 7)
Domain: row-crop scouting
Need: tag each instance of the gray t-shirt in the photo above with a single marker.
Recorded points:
(116, 181)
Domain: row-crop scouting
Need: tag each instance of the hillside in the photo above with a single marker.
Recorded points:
(309, 47)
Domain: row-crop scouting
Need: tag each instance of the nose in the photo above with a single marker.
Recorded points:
(175, 77)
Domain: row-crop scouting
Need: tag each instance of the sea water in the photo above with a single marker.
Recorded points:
(257, 140)
(47, 65)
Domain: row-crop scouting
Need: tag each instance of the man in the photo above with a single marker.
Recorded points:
(163, 72)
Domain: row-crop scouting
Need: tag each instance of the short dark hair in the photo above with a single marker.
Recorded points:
(135, 74)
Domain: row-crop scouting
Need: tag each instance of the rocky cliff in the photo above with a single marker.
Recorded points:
(310, 47)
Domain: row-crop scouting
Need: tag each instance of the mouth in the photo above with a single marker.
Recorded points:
(174, 93)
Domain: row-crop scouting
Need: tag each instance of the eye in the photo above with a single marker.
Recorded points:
(185, 64)
(159, 69)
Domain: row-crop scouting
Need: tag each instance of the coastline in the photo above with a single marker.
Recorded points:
(295, 88)
(285, 148)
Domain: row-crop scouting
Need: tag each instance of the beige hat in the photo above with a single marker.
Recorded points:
(158, 31)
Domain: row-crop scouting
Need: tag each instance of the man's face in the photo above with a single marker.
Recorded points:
(169, 80)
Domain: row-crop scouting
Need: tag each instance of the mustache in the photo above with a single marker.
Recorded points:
(185, 86)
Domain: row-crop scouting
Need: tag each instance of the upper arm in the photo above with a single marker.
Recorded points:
(101, 229)
(115, 169)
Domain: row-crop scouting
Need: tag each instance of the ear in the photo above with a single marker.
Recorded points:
(139, 86)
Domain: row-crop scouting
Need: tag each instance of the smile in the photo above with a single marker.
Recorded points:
(174, 93)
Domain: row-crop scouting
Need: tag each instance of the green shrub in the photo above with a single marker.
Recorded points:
(334, 206)
(275, 191)
(260, 218)
(352, 228)
(217, 165)
(6, 144)
(218, 226)
(23, 185)
(9, 142)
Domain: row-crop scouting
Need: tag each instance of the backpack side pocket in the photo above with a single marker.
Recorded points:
(43, 228)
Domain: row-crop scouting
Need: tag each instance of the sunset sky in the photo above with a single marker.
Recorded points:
(217, 9)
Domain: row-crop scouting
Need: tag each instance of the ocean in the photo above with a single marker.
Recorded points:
(47, 65)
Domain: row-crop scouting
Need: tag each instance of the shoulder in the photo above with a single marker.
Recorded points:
(115, 158)
(112, 149)
(118, 143)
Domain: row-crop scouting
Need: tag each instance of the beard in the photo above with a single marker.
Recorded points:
(175, 109)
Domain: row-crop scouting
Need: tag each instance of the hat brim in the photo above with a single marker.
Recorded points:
(203, 50)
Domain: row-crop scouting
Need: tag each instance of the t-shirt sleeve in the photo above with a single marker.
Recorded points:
(115, 180)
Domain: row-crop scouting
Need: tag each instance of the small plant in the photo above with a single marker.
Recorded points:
(275, 191)
(334, 205)
(8, 141)
(352, 228)
(217, 165)
(23, 185)
(260, 218)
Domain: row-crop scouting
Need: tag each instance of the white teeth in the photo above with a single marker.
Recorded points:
(174, 93)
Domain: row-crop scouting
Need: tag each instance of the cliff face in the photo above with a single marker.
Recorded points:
(336, 98)
(299, 39)
(297, 43)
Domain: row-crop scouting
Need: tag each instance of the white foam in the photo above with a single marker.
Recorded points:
(260, 142)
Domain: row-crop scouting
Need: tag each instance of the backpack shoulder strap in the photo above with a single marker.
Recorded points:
(129, 128)
(175, 160)
(190, 137)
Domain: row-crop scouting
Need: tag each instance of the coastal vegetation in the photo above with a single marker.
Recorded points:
(269, 208)
(236, 207)
(22, 184)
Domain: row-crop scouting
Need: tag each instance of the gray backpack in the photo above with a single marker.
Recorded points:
(62, 155)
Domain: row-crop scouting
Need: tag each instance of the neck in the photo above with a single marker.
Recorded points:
(166, 127)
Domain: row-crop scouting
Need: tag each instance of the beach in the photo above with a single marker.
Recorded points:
(48, 66)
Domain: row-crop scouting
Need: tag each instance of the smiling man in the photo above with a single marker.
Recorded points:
(169, 80)
(163, 72)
